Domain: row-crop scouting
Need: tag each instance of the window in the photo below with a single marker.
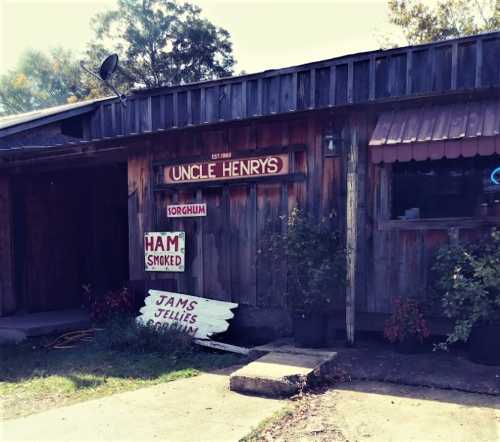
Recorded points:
(445, 188)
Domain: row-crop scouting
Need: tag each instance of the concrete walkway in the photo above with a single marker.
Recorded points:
(44, 323)
(196, 409)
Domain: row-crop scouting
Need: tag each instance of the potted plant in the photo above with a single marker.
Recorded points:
(315, 261)
(407, 328)
(468, 280)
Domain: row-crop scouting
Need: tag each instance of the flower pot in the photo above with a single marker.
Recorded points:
(484, 344)
(409, 345)
(309, 330)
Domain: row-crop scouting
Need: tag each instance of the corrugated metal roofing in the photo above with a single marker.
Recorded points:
(10, 121)
(433, 132)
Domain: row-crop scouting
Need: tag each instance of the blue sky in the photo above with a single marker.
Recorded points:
(266, 33)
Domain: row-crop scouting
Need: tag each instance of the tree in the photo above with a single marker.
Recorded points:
(423, 23)
(161, 43)
(42, 80)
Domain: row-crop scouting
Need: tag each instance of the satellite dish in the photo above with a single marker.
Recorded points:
(108, 66)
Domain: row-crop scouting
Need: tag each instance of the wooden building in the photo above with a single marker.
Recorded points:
(400, 145)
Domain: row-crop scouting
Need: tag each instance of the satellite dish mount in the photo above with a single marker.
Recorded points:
(108, 67)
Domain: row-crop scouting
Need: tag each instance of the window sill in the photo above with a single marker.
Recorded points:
(439, 223)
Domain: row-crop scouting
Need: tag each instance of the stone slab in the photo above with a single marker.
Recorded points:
(44, 323)
(279, 374)
(286, 347)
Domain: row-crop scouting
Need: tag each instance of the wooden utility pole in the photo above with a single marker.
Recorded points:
(355, 222)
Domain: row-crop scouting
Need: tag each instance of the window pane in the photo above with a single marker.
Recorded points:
(444, 188)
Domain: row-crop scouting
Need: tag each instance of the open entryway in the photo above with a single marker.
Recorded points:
(70, 229)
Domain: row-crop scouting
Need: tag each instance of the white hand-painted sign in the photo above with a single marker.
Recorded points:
(164, 251)
(185, 210)
(199, 317)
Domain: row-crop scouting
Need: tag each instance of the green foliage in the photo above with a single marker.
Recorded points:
(314, 258)
(424, 23)
(42, 80)
(161, 43)
(468, 279)
(125, 334)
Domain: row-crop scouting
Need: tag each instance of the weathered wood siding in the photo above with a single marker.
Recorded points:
(222, 259)
(465, 64)
(70, 230)
(400, 253)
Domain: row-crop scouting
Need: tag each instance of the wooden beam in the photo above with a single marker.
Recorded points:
(479, 63)
(222, 346)
(355, 221)
(7, 294)
(139, 211)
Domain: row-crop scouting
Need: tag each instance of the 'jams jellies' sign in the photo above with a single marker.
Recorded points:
(228, 169)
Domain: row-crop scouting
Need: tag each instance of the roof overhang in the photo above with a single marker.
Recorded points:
(435, 132)
(13, 124)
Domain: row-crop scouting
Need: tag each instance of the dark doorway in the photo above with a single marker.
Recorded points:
(71, 228)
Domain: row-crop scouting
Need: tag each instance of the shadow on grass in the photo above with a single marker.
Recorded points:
(87, 365)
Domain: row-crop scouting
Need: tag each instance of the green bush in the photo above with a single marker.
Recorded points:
(468, 282)
(125, 334)
(315, 261)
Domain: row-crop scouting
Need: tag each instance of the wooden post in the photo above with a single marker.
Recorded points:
(139, 211)
(7, 295)
(355, 222)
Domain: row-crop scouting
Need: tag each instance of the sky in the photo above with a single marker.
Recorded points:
(266, 34)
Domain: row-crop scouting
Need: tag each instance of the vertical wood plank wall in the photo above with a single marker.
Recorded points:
(400, 254)
(222, 259)
(7, 299)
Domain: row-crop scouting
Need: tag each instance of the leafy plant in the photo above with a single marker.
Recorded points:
(315, 261)
(406, 320)
(468, 280)
(104, 306)
(126, 334)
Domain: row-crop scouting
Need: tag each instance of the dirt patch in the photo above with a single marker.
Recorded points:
(375, 411)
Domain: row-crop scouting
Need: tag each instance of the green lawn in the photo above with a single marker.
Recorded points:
(34, 379)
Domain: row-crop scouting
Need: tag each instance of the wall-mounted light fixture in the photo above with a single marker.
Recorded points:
(333, 141)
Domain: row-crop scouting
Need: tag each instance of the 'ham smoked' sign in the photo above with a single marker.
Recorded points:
(199, 317)
(228, 169)
(164, 251)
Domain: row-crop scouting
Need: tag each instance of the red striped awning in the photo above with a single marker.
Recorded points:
(434, 132)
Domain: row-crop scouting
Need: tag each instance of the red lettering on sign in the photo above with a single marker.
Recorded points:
(228, 169)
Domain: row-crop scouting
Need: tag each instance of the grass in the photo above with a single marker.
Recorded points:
(259, 433)
(34, 379)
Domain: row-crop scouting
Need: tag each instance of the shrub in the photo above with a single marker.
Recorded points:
(105, 306)
(315, 260)
(125, 334)
(468, 281)
(406, 320)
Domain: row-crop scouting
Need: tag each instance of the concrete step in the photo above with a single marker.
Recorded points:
(280, 374)
(45, 323)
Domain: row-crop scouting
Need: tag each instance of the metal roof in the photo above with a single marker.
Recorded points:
(432, 132)
(10, 122)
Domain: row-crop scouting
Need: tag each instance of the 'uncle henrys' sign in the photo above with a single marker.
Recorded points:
(164, 251)
(228, 169)
(199, 317)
